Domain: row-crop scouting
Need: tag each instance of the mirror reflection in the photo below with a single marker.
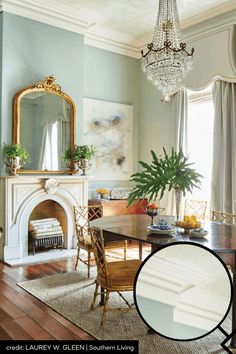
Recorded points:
(45, 130)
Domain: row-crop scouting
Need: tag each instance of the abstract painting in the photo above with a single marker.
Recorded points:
(108, 126)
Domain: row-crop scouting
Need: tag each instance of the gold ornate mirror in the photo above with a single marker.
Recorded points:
(44, 124)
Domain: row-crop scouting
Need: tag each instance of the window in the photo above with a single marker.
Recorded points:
(200, 139)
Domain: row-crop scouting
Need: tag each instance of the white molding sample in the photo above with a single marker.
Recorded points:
(191, 280)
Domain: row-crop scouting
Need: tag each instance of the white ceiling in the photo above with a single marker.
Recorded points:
(122, 26)
(136, 18)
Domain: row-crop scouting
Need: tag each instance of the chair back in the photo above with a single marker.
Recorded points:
(82, 216)
(225, 218)
(195, 207)
(99, 255)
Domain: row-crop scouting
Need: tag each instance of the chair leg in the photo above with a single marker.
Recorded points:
(89, 260)
(127, 303)
(95, 295)
(104, 309)
(77, 260)
(140, 250)
(125, 251)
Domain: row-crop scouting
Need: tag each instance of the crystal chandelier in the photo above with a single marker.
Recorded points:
(167, 61)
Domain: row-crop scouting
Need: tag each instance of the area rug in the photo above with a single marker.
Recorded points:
(70, 294)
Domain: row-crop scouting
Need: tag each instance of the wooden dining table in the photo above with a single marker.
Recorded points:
(221, 239)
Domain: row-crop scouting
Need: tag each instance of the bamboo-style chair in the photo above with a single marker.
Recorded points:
(83, 215)
(111, 276)
(195, 207)
(225, 218)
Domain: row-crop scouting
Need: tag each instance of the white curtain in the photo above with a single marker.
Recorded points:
(223, 192)
(55, 136)
(48, 159)
(180, 119)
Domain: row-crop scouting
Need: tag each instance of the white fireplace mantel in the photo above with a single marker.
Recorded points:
(20, 195)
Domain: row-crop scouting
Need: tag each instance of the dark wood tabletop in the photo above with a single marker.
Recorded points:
(220, 238)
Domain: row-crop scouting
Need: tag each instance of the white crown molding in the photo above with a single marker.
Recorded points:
(97, 41)
(209, 14)
(53, 13)
(79, 20)
(193, 289)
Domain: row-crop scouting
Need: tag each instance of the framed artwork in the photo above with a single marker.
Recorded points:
(109, 127)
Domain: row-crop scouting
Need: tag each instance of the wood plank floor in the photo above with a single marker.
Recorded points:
(22, 316)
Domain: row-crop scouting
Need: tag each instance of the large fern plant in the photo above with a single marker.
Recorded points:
(164, 173)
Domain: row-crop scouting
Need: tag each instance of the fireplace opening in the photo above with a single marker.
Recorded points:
(47, 227)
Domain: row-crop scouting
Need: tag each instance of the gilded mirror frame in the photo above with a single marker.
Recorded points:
(48, 85)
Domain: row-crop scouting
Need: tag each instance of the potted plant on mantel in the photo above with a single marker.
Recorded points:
(16, 156)
(167, 173)
(81, 156)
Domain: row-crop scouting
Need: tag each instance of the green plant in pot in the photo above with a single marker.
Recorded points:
(170, 172)
(16, 156)
(81, 156)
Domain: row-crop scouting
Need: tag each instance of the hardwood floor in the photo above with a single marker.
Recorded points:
(22, 316)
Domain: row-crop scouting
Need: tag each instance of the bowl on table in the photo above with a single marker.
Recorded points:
(161, 228)
(189, 223)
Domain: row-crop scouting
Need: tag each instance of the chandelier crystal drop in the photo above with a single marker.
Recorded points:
(167, 61)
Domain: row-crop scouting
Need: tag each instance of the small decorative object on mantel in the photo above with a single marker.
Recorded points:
(51, 186)
(102, 192)
(168, 173)
(81, 155)
(16, 156)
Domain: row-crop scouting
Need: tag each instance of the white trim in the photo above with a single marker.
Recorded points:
(231, 47)
(53, 13)
(79, 20)
(97, 41)
(210, 82)
(208, 14)
(198, 291)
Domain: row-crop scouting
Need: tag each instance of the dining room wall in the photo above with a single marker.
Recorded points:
(115, 78)
(215, 51)
(1, 30)
(31, 51)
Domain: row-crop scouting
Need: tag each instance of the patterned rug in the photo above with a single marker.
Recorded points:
(71, 294)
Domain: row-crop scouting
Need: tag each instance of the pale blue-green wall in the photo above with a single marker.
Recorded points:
(113, 77)
(156, 128)
(33, 50)
(1, 30)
